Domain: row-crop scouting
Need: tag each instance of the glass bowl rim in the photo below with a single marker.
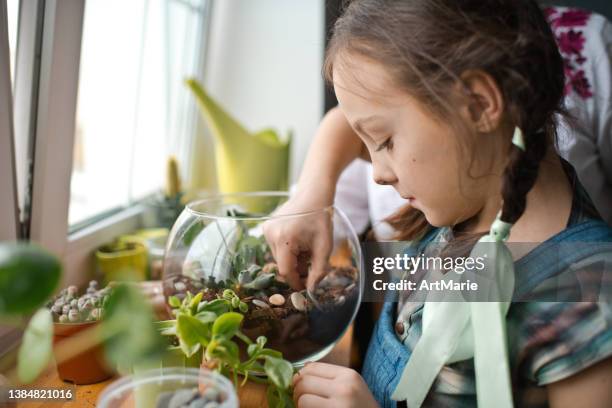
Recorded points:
(214, 197)
(130, 382)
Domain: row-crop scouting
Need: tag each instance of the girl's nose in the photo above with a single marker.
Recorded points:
(383, 175)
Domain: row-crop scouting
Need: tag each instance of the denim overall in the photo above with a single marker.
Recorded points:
(387, 356)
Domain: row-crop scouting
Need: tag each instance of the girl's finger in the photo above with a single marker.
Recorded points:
(324, 370)
(286, 261)
(320, 256)
(313, 401)
(309, 384)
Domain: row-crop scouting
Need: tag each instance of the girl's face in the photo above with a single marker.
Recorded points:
(410, 149)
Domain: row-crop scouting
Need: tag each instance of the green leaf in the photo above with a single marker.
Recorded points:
(166, 327)
(252, 349)
(191, 331)
(206, 316)
(189, 350)
(271, 353)
(279, 371)
(217, 306)
(132, 337)
(227, 325)
(193, 305)
(261, 282)
(28, 277)
(36, 347)
(174, 301)
(278, 398)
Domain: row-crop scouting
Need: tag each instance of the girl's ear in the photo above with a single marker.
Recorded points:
(484, 103)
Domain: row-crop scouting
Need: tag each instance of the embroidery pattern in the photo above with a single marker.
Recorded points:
(566, 24)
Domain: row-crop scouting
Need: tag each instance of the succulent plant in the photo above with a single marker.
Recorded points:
(69, 307)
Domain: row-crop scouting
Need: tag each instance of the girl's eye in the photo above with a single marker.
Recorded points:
(387, 144)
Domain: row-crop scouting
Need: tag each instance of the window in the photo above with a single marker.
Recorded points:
(133, 109)
(13, 18)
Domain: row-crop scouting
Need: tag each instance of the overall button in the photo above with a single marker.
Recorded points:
(399, 328)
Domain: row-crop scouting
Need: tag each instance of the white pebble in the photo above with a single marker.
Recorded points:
(298, 301)
(277, 299)
(261, 303)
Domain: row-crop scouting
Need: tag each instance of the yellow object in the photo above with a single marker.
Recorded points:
(122, 261)
(245, 161)
(173, 179)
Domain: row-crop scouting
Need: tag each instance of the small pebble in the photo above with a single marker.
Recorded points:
(74, 303)
(163, 399)
(277, 299)
(93, 284)
(197, 403)
(212, 404)
(211, 394)
(340, 300)
(298, 301)
(91, 290)
(63, 319)
(60, 302)
(260, 303)
(56, 309)
(65, 309)
(350, 287)
(72, 290)
(182, 397)
(180, 286)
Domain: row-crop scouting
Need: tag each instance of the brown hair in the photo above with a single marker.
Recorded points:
(426, 45)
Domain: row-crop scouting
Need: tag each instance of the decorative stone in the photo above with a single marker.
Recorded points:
(277, 299)
(261, 303)
(298, 301)
(180, 287)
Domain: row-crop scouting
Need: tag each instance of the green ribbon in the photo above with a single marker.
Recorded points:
(456, 330)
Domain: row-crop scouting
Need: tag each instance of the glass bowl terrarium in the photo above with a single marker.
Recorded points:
(217, 243)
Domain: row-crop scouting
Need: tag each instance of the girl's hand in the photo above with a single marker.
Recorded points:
(297, 241)
(322, 385)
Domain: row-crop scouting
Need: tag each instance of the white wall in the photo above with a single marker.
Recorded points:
(264, 66)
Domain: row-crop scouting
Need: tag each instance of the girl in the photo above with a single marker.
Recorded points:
(454, 103)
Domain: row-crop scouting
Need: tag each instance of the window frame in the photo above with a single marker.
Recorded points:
(54, 131)
(9, 227)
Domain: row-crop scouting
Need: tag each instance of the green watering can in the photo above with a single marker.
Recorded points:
(245, 161)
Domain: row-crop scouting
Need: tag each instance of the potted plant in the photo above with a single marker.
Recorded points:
(122, 260)
(73, 313)
(214, 327)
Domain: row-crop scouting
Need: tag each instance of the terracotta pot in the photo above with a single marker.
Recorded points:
(88, 367)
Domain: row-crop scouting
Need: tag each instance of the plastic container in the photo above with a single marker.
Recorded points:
(143, 390)
(217, 243)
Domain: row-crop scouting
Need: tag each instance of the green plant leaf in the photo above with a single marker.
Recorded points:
(28, 277)
(174, 301)
(191, 331)
(278, 398)
(206, 316)
(36, 347)
(217, 306)
(227, 325)
(271, 353)
(261, 282)
(166, 327)
(131, 336)
(279, 371)
(195, 301)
